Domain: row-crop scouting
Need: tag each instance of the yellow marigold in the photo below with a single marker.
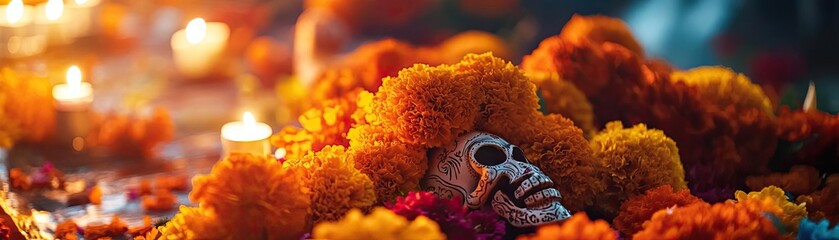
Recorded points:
(578, 227)
(394, 168)
(379, 224)
(636, 159)
(559, 149)
(727, 220)
(335, 184)
(792, 213)
(599, 29)
(725, 87)
(194, 223)
(26, 107)
(562, 97)
(427, 106)
(322, 126)
(254, 197)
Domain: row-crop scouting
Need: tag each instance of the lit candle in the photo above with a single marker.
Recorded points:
(198, 48)
(247, 136)
(73, 101)
(50, 16)
(18, 38)
(83, 14)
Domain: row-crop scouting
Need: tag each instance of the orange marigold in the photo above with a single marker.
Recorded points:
(335, 184)
(562, 97)
(727, 220)
(578, 227)
(559, 149)
(580, 62)
(636, 159)
(195, 223)
(395, 168)
(638, 209)
(128, 135)
(26, 107)
(599, 29)
(255, 197)
(819, 129)
(801, 179)
(427, 106)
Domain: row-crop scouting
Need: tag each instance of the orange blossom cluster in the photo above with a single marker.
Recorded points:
(639, 209)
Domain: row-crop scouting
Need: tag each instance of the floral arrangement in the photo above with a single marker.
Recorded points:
(730, 220)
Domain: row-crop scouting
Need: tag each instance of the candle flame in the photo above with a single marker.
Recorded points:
(80, 2)
(74, 78)
(54, 9)
(248, 120)
(14, 12)
(196, 30)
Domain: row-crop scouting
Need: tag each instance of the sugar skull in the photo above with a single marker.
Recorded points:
(482, 169)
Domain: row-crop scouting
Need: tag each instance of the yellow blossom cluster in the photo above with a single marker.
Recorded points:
(379, 224)
(792, 213)
(725, 87)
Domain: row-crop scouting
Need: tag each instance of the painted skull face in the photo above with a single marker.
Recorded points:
(481, 167)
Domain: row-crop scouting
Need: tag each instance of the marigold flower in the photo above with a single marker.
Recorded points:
(128, 135)
(254, 197)
(323, 126)
(636, 159)
(579, 226)
(801, 179)
(559, 149)
(638, 209)
(427, 106)
(599, 29)
(819, 129)
(26, 107)
(792, 213)
(580, 62)
(563, 98)
(336, 186)
(195, 223)
(394, 168)
(728, 220)
(379, 224)
(725, 87)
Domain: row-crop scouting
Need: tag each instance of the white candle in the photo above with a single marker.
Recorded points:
(18, 37)
(198, 48)
(73, 101)
(50, 16)
(83, 13)
(247, 136)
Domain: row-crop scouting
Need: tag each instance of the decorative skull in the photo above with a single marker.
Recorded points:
(481, 167)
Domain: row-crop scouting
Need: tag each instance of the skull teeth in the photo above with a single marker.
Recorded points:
(542, 198)
(532, 184)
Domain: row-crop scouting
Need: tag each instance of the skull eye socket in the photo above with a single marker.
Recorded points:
(490, 155)
(518, 155)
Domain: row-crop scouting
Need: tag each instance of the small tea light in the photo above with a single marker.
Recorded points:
(247, 136)
(50, 16)
(73, 101)
(199, 47)
(18, 37)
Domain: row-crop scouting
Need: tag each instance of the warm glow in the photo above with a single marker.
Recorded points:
(280, 153)
(81, 2)
(74, 77)
(14, 12)
(196, 30)
(248, 120)
(54, 9)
